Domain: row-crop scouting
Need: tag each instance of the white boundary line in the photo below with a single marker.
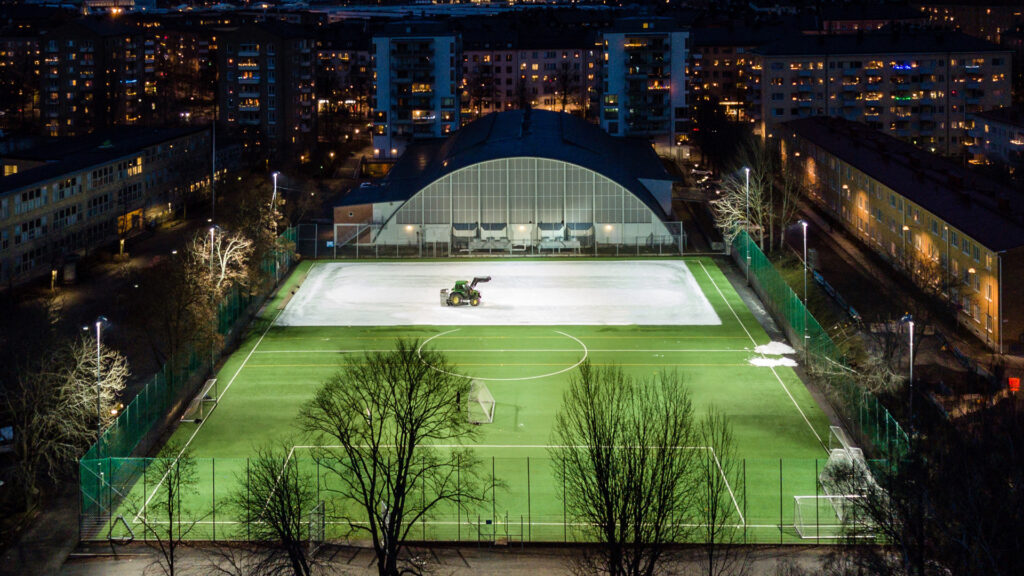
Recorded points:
(586, 352)
(135, 520)
(512, 350)
(714, 455)
(754, 342)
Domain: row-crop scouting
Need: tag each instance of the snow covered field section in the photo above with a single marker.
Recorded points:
(534, 293)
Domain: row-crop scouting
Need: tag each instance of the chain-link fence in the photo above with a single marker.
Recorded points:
(522, 499)
(864, 414)
(158, 400)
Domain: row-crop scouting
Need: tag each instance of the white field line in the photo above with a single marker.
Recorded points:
(586, 352)
(714, 455)
(530, 350)
(200, 426)
(728, 485)
(772, 368)
(500, 522)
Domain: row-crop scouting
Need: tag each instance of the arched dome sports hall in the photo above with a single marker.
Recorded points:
(517, 181)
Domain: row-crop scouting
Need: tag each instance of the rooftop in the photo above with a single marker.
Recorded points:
(68, 155)
(1011, 116)
(521, 133)
(987, 211)
(887, 42)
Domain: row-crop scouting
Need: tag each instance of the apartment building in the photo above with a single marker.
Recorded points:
(720, 68)
(95, 74)
(418, 74)
(987, 20)
(345, 68)
(644, 91)
(76, 194)
(957, 235)
(266, 89)
(504, 70)
(998, 138)
(918, 86)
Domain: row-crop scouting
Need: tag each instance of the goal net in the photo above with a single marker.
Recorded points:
(831, 518)
(201, 406)
(316, 525)
(846, 481)
(480, 403)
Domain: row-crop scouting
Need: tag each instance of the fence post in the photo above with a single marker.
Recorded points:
(529, 514)
(745, 517)
(213, 494)
(780, 500)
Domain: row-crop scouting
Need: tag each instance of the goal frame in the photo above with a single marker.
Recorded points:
(480, 404)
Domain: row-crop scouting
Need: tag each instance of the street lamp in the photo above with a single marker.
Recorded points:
(746, 221)
(909, 321)
(906, 230)
(101, 321)
(803, 225)
(273, 202)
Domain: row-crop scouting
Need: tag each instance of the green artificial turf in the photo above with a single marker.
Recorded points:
(779, 430)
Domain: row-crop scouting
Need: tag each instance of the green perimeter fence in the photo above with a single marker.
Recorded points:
(153, 404)
(767, 501)
(864, 414)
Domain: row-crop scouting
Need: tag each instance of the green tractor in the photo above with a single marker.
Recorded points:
(464, 292)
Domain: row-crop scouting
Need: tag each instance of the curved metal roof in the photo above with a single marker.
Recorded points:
(522, 133)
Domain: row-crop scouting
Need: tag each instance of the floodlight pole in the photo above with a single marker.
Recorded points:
(273, 203)
(100, 321)
(803, 224)
(746, 222)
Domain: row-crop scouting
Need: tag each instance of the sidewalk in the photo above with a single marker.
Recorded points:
(466, 560)
(878, 291)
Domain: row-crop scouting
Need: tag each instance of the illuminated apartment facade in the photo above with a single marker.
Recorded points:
(266, 89)
(644, 90)
(96, 74)
(418, 73)
(999, 139)
(958, 236)
(81, 193)
(917, 86)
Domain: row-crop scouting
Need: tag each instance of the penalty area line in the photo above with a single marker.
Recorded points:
(199, 427)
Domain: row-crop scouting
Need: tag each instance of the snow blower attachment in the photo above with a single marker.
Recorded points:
(463, 293)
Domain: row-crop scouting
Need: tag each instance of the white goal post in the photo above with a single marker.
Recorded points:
(201, 406)
(480, 404)
(845, 480)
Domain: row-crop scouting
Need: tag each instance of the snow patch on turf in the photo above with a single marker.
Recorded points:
(770, 362)
(775, 348)
(520, 293)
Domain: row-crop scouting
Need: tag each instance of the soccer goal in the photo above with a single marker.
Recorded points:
(316, 527)
(846, 480)
(831, 518)
(204, 402)
(480, 406)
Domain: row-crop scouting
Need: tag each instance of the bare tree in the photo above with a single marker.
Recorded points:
(219, 260)
(274, 499)
(627, 460)
(53, 407)
(382, 414)
(173, 310)
(167, 519)
(718, 509)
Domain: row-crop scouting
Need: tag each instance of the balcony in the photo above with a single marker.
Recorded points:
(249, 108)
(249, 80)
(248, 93)
(248, 53)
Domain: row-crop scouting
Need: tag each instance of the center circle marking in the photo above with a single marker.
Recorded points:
(583, 347)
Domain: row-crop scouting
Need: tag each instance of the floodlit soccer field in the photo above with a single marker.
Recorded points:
(538, 321)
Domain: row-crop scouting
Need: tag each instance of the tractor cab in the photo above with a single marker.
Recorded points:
(464, 292)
